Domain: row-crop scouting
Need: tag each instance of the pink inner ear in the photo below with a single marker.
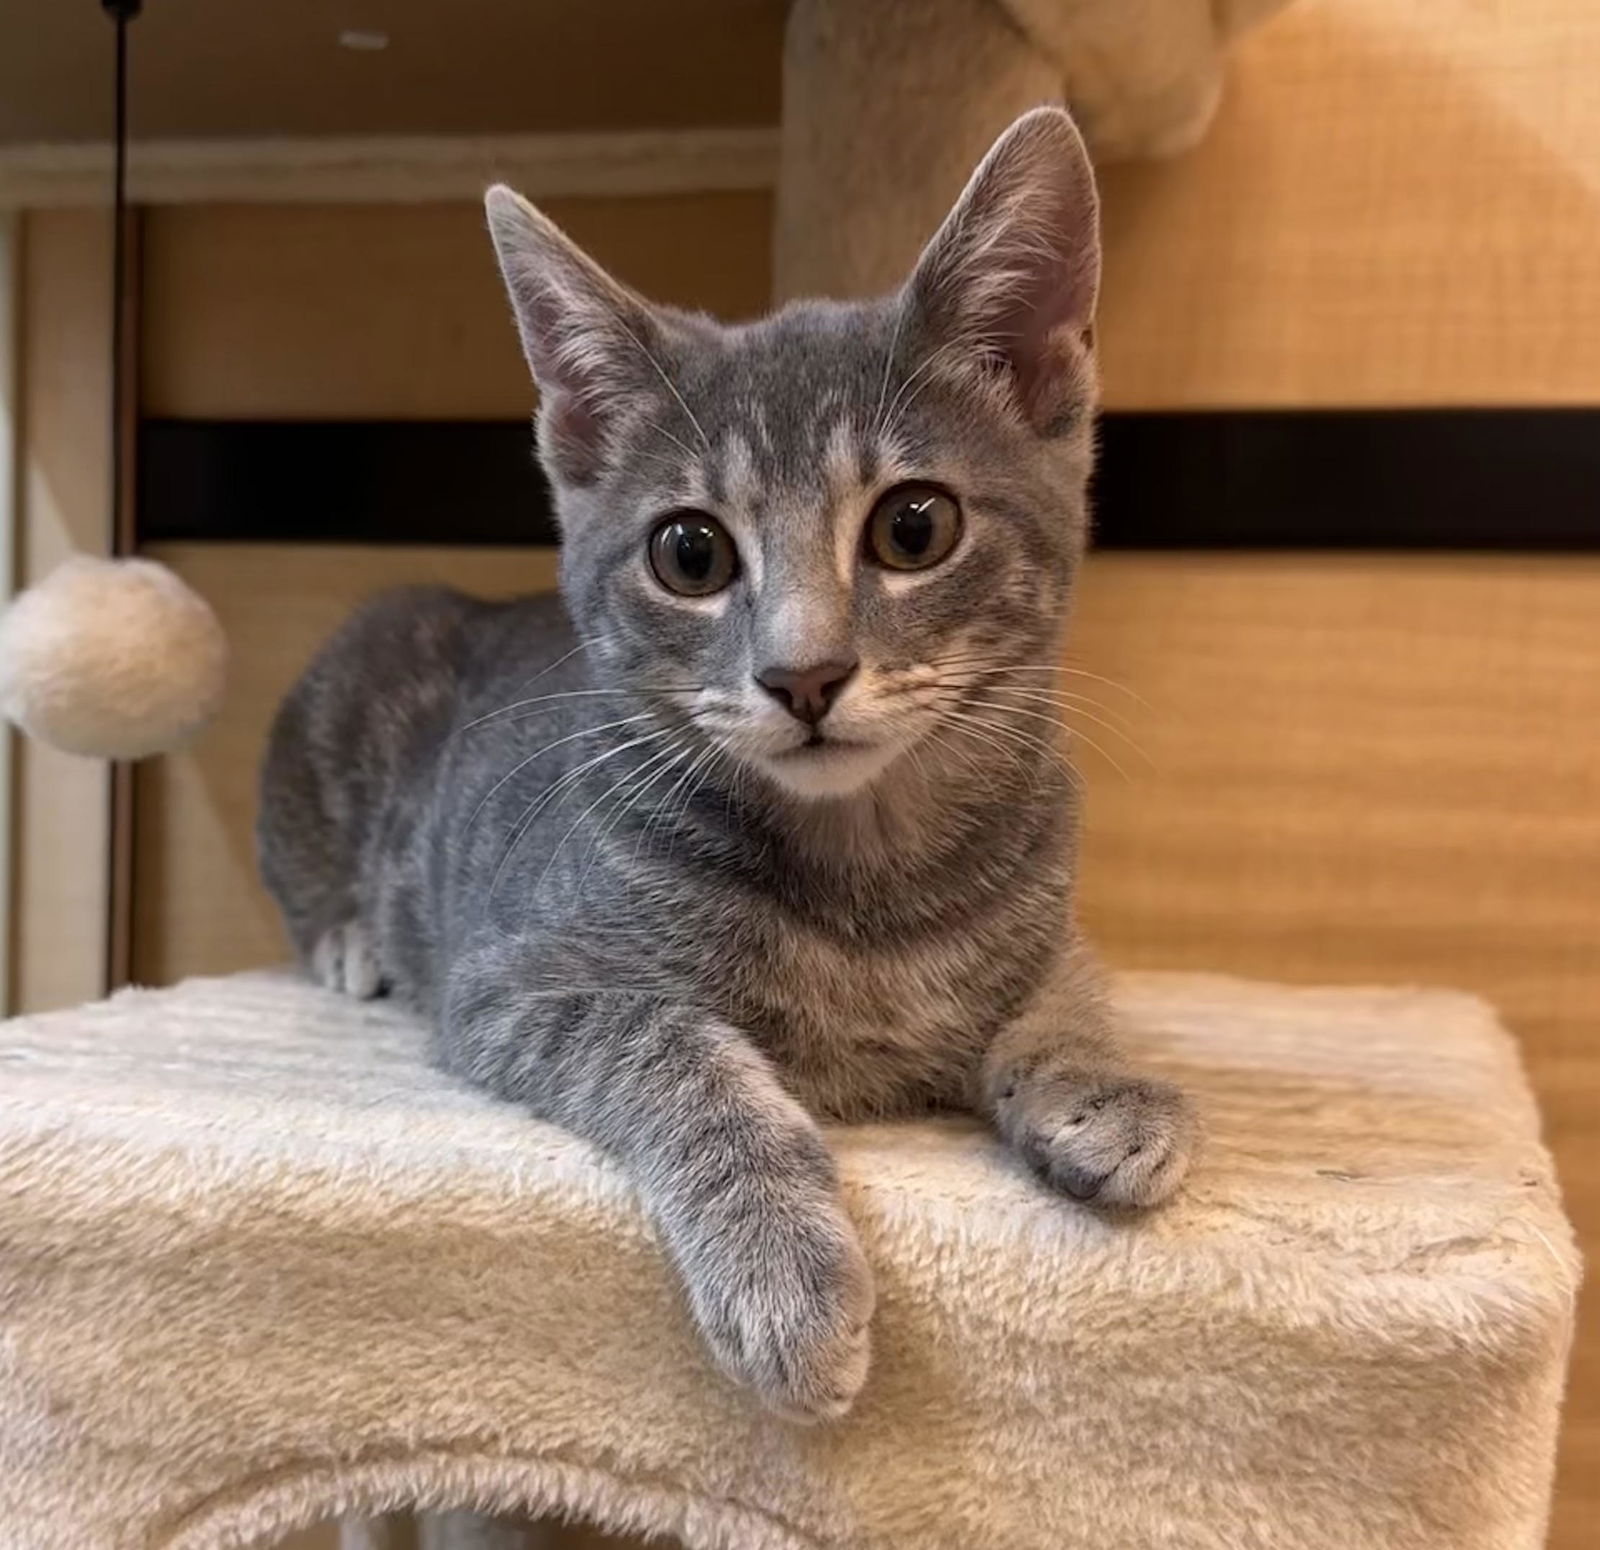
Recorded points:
(573, 429)
(1013, 273)
(1042, 331)
(573, 438)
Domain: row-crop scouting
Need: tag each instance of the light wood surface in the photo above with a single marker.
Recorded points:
(1360, 769)
(389, 311)
(468, 67)
(323, 1537)
(1398, 204)
(61, 804)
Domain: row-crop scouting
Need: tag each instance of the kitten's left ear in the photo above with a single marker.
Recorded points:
(1013, 274)
(586, 337)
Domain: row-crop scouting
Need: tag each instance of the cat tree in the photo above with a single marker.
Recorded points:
(260, 1265)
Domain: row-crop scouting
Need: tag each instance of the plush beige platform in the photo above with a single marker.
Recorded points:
(260, 1266)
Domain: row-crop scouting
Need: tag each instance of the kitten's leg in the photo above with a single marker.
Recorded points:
(1056, 1087)
(733, 1171)
(343, 960)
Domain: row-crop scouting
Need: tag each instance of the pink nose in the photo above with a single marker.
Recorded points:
(807, 693)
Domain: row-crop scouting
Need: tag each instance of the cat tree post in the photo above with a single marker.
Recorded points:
(885, 114)
(887, 104)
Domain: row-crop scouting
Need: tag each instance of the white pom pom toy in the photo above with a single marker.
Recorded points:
(115, 659)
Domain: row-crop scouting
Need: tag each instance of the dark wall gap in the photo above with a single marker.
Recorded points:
(1486, 479)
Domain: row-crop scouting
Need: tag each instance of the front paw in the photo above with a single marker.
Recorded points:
(1116, 1140)
(343, 960)
(785, 1309)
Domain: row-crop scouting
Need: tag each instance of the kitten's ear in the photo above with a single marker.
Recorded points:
(1014, 272)
(583, 333)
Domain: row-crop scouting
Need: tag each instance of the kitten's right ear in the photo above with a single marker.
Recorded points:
(1011, 278)
(583, 334)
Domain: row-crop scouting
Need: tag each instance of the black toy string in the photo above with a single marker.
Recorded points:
(121, 12)
(118, 788)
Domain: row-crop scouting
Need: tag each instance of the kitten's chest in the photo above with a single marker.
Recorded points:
(870, 1024)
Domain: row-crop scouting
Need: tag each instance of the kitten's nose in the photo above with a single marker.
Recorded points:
(807, 693)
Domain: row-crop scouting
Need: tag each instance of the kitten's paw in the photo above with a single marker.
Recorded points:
(790, 1317)
(1116, 1140)
(343, 960)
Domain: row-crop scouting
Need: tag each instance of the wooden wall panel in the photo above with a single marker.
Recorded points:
(61, 803)
(397, 311)
(1399, 203)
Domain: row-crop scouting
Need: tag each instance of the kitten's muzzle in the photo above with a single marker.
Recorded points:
(808, 693)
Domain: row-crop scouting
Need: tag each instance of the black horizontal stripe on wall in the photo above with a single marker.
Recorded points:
(341, 481)
(1372, 479)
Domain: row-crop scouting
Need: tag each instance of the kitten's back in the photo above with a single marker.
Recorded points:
(375, 705)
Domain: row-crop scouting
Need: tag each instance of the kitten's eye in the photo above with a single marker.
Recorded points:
(913, 527)
(692, 555)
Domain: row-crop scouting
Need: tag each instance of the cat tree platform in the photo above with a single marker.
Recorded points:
(261, 1266)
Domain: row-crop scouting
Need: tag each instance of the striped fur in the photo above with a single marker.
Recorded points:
(630, 894)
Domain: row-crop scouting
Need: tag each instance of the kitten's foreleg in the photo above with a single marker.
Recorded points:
(343, 960)
(1057, 1088)
(734, 1172)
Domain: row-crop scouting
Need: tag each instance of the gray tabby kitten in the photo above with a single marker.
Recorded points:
(785, 834)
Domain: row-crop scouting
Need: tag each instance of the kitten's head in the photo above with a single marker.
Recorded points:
(815, 538)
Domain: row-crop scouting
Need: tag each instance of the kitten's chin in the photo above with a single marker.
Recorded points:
(818, 771)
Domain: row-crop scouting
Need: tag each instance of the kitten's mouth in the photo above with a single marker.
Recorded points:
(824, 766)
(819, 743)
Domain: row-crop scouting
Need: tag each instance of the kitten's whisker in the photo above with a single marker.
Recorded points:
(673, 756)
(1062, 697)
(648, 826)
(665, 810)
(710, 769)
(1110, 683)
(1055, 721)
(1021, 750)
(878, 418)
(539, 753)
(1057, 668)
(667, 382)
(561, 786)
(661, 430)
(579, 822)
(575, 694)
(1012, 755)
(1075, 707)
(556, 789)
(566, 656)
(1022, 740)
(970, 762)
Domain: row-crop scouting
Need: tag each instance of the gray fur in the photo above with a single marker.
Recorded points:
(604, 864)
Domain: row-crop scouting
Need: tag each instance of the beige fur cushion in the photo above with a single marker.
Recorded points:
(259, 1265)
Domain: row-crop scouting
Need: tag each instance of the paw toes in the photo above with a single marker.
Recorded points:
(1080, 1183)
(343, 961)
(1125, 1142)
(801, 1340)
